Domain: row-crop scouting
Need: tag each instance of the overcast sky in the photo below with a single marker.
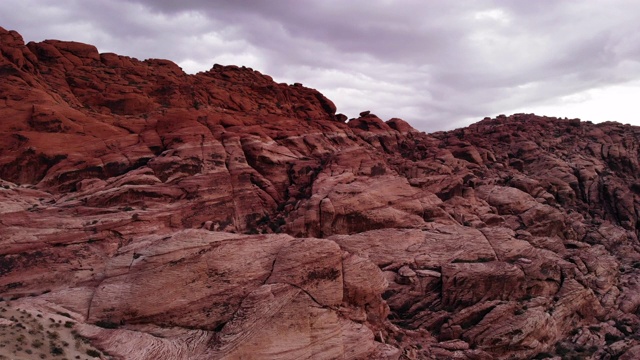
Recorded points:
(437, 64)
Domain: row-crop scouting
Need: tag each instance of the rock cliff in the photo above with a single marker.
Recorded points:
(222, 215)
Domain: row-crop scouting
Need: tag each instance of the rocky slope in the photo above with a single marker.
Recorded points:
(225, 216)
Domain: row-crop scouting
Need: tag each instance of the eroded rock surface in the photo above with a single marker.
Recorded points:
(222, 215)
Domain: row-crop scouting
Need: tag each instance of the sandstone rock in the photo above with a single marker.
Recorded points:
(205, 291)
(401, 126)
(142, 199)
(465, 284)
(321, 279)
(632, 353)
(287, 311)
(363, 281)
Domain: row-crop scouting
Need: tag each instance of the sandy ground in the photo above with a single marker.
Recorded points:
(30, 334)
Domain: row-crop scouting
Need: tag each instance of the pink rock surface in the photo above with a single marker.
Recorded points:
(222, 215)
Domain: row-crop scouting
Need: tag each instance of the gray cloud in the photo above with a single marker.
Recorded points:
(437, 64)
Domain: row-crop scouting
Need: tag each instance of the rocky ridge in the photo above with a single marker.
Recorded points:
(223, 215)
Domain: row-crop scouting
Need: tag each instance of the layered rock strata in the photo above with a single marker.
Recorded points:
(223, 215)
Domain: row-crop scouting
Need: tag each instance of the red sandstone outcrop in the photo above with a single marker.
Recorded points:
(222, 215)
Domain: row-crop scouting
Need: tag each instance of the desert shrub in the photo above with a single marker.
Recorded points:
(36, 343)
(107, 324)
(55, 351)
(93, 353)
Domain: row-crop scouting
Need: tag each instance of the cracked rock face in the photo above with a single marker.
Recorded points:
(225, 216)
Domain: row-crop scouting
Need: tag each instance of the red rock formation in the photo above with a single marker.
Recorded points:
(222, 215)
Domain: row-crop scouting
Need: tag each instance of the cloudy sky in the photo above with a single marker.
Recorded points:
(437, 64)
